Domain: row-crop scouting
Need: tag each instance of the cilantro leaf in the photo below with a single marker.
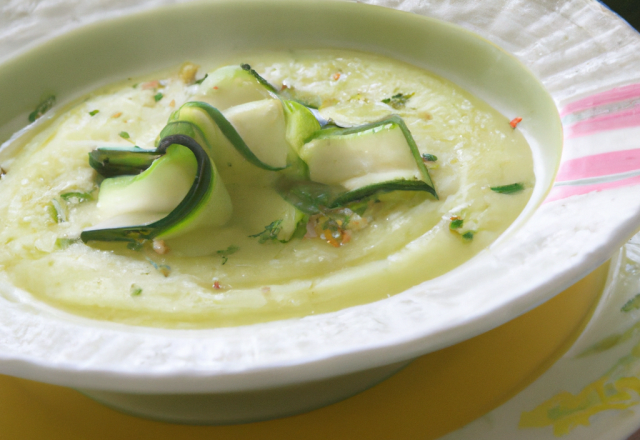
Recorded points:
(226, 252)
(270, 232)
(158, 96)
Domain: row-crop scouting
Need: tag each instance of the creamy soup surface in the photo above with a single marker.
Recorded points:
(221, 276)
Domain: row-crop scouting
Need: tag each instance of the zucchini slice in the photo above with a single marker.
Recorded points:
(262, 126)
(234, 85)
(301, 124)
(212, 124)
(377, 157)
(205, 203)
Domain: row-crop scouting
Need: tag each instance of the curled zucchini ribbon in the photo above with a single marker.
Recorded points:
(117, 161)
(424, 184)
(225, 127)
(397, 164)
(197, 194)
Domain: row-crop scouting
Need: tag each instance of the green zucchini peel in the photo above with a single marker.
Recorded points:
(198, 194)
(118, 161)
(424, 184)
(382, 187)
(260, 79)
(227, 130)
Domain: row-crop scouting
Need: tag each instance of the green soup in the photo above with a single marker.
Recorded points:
(226, 275)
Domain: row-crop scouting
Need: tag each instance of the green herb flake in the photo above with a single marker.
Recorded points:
(124, 135)
(94, 112)
(508, 189)
(56, 212)
(76, 197)
(158, 96)
(429, 157)
(457, 224)
(398, 100)
(199, 81)
(42, 108)
(136, 290)
(63, 243)
(632, 304)
(468, 236)
(270, 232)
(226, 252)
(135, 86)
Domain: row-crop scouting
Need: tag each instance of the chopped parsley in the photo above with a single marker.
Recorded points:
(226, 252)
(456, 223)
(429, 157)
(508, 189)
(94, 112)
(632, 304)
(270, 232)
(158, 96)
(124, 135)
(42, 108)
(199, 81)
(398, 100)
(468, 235)
(136, 290)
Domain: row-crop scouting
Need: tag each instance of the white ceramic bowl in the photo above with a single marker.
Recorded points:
(231, 375)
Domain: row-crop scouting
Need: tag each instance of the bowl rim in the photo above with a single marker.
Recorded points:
(124, 358)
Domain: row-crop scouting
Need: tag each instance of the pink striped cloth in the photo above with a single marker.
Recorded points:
(616, 109)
